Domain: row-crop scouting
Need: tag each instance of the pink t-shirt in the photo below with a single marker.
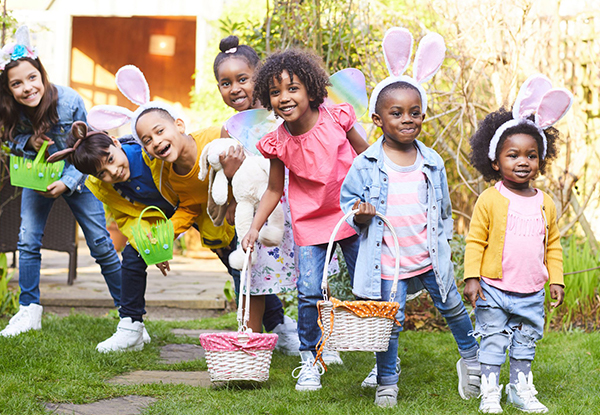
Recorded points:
(318, 162)
(523, 268)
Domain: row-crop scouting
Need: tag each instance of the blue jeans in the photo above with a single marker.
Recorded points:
(506, 320)
(133, 284)
(453, 310)
(310, 262)
(89, 213)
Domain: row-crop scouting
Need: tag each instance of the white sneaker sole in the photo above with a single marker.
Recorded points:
(303, 388)
(134, 348)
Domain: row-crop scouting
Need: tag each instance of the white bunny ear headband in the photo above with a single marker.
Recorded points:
(537, 97)
(132, 83)
(20, 49)
(397, 50)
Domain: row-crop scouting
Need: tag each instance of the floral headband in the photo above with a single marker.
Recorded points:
(20, 49)
(397, 49)
(80, 131)
(537, 97)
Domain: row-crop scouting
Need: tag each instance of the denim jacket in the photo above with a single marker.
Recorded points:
(70, 108)
(368, 182)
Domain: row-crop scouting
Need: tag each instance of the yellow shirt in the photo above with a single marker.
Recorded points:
(485, 242)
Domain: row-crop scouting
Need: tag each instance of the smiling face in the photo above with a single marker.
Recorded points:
(115, 166)
(518, 161)
(25, 84)
(235, 83)
(399, 116)
(161, 136)
(291, 101)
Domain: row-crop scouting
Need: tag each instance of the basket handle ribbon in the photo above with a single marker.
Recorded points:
(332, 241)
(41, 153)
(243, 313)
(144, 211)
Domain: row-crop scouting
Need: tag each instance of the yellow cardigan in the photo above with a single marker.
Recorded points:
(485, 242)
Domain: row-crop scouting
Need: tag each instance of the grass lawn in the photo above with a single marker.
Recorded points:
(59, 364)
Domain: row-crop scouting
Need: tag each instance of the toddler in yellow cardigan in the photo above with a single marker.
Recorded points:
(513, 246)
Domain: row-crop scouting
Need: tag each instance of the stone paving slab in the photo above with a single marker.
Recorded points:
(199, 378)
(125, 405)
(175, 353)
(194, 332)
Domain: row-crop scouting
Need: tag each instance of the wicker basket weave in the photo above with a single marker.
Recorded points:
(357, 325)
(240, 355)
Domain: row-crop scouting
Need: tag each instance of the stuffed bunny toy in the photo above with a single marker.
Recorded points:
(397, 50)
(249, 183)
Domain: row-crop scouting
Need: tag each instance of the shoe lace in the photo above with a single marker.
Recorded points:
(490, 394)
(308, 369)
(527, 392)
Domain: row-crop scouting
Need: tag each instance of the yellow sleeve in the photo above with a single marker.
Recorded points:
(477, 239)
(554, 256)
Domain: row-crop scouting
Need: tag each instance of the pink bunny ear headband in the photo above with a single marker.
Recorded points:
(397, 50)
(20, 49)
(132, 83)
(537, 97)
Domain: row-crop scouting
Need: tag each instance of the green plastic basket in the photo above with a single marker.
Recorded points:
(154, 242)
(35, 174)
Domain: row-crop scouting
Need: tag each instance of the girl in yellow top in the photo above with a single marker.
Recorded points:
(513, 246)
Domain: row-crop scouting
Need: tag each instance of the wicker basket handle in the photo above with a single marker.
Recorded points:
(330, 248)
(243, 313)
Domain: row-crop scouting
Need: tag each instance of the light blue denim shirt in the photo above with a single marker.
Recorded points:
(368, 182)
(70, 108)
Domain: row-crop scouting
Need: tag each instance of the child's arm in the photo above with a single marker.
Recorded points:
(356, 141)
(268, 202)
(446, 208)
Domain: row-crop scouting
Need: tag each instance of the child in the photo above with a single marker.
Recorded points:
(317, 144)
(34, 110)
(513, 246)
(126, 181)
(403, 179)
(234, 68)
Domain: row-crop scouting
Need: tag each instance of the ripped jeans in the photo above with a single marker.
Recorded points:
(508, 320)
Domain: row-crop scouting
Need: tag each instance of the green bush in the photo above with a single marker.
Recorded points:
(9, 300)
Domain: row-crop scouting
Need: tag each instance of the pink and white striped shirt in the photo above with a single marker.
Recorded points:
(407, 211)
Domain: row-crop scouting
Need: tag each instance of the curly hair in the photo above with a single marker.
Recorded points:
(297, 62)
(230, 48)
(480, 142)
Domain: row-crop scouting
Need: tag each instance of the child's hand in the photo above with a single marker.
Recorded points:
(473, 290)
(54, 190)
(366, 212)
(557, 292)
(164, 267)
(232, 160)
(230, 213)
(249, 239)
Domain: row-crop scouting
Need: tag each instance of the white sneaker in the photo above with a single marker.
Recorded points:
(469, 379)
(522, 395)
(28, 318)
(288, 342)
(309, 377)
(145, 336)
(332, 357)
(129, 336)
(371, 379)
(386, 396)
(490, 395)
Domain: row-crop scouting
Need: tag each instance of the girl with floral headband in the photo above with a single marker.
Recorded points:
(513, 246)
(34, 110)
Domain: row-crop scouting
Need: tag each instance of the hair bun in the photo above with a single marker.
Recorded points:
(228, 43)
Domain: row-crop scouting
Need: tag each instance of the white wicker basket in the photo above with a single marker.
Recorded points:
(350, 331)
(240, 355)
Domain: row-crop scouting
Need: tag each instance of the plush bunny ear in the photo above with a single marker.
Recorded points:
(203, 163)
(133, 84)
(397, 49)
(107, 117)
(530, 95)
(429, 57)
(553, 106)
